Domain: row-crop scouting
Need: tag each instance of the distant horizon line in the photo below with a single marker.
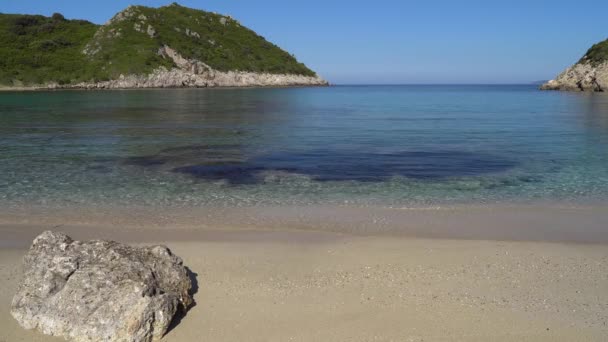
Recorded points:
(439, 84)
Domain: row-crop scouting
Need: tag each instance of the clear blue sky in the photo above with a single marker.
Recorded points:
(399, 41)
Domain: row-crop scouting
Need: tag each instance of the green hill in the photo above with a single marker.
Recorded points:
(37, 50)
(597, 54)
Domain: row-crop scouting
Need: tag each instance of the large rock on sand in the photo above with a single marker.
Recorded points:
(100, 290)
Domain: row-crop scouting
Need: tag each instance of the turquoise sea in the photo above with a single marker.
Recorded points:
(363, 145)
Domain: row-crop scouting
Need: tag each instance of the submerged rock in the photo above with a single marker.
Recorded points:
(100, 290)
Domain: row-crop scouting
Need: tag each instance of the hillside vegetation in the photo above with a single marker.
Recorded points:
(37, 50)
(597, 54)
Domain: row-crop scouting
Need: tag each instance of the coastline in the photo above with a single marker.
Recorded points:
(77, 88)
(537, 221)
(188, 74)
(278, 285)
(582, 76)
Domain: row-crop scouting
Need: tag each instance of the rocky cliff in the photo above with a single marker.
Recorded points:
(589, 74)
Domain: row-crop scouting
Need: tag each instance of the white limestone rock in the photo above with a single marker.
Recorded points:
(582, 76)
(100, 290)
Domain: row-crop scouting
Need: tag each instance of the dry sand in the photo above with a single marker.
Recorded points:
(313, 286)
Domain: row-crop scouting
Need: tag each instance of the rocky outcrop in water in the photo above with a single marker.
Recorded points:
(589, 74)
(581, 77)
(178, 78)
(100, 290)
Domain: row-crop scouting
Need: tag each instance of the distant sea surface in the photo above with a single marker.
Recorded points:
(359, 145)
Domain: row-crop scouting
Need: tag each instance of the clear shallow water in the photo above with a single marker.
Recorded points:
(377, 145)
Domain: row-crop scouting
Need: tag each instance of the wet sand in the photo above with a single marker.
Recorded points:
(546, 222)
(301, 284)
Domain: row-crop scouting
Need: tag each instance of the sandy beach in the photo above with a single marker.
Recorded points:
(302, 285)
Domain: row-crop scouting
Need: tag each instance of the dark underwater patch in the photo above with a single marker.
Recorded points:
(232, 173)
(229, 163)
(188, 154)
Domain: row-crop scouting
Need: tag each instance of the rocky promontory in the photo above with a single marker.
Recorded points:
(589, 74)
(143, 47)
(195, 74)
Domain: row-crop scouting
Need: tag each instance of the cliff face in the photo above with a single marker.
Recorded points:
(589, 74)
(176, 78)
(581, 77)
(143, 47)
